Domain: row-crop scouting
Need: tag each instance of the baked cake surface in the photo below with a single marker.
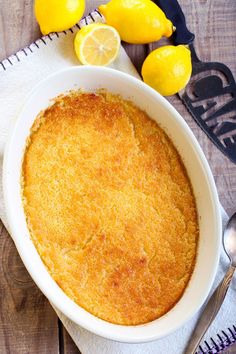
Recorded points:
(109, 207)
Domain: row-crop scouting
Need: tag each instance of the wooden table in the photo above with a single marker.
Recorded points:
(27, 322)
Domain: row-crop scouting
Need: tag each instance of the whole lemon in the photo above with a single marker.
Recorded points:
(58, 15)
(137, 21)
(168, 69)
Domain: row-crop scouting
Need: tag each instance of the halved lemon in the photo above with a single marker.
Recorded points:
(97, 44)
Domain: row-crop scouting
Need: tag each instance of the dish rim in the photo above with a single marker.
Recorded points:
(58, 302)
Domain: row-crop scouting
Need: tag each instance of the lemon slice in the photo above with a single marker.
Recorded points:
(97, 44)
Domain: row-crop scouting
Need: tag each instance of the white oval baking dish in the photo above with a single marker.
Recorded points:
(90, 79)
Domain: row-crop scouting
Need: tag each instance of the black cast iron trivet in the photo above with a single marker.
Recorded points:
(210, 95)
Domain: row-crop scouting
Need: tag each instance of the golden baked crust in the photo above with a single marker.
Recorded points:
(110, 207)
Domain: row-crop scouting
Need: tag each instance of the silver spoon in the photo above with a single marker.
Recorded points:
(212, 307)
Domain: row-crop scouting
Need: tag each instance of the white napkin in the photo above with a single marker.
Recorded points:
(18, 75)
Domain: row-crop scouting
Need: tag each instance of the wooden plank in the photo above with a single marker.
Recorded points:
(18, 27)
(28, 324)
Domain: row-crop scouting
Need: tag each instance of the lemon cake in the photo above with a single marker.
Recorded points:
(109, 207)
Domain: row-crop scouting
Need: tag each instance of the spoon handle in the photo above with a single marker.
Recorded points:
(210, 311)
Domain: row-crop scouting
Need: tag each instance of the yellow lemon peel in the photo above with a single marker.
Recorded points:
(56, 16)
(137, 21)
(168, 69)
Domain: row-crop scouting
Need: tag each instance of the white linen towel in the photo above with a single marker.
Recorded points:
(18, 75)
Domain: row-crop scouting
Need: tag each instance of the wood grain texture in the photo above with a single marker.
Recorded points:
(18, 27)
(27, 322)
